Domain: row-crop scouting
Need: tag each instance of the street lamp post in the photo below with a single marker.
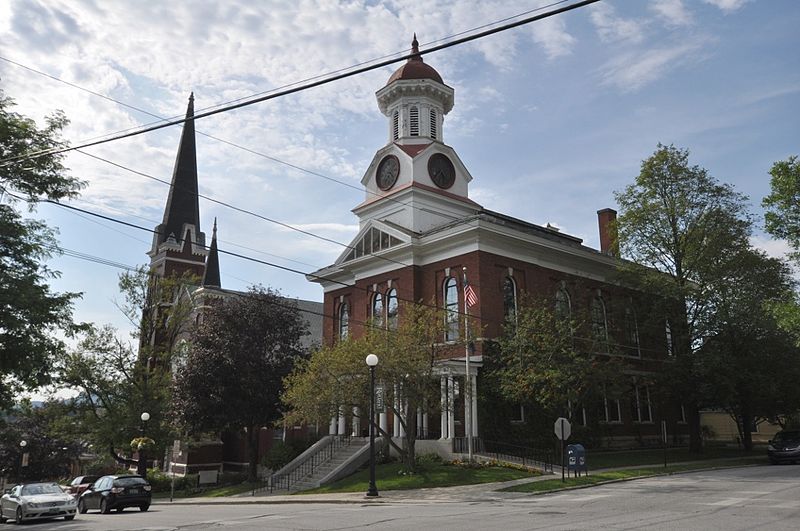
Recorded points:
(372, 491)
(22, 444)
(141, 467)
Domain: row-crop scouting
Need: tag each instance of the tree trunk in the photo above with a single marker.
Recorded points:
(695, 436)
(747, 429)
(252, 445)
(411, 437)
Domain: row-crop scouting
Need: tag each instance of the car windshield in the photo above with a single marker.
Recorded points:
(787, 436)
(129, 481)
(41, 488)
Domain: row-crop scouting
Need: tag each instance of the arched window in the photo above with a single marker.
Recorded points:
(344, 321)
(668, 332)
(413, 115)
(451, 309)
(599, 323)
(377, 310)
(632, 331)
(391, 309)
(509, 298)
(563, 304)
(433, 124)
(396, 125)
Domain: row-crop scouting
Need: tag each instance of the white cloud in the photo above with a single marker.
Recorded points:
(551, 34)
(727, 6)
(673, 12)
(774, 248)
(633, 70)
(612, 28)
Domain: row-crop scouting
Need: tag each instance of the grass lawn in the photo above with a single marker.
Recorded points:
(215, 492)
(599, 459)
(388, 477)
(549, 485)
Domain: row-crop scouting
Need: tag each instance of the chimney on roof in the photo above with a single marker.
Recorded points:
(608, 237)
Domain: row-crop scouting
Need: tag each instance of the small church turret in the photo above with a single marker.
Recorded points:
(211, 277)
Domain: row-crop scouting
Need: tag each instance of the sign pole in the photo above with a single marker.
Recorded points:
(468, 377)
(664, 440)
(562, 450)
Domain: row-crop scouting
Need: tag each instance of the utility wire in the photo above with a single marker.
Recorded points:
(305, 86)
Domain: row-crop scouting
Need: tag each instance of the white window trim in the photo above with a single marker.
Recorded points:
(639, 408)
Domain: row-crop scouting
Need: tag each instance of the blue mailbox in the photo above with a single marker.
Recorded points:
(576, 459)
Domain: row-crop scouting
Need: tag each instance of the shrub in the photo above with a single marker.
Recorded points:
(279, 455)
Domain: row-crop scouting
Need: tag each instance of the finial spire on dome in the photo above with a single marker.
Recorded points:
(415, 44)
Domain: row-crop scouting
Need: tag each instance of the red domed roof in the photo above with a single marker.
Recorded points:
(415, 68)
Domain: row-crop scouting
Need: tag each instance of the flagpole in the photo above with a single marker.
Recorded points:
(468, 378)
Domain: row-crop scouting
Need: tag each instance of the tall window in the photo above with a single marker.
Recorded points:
(599, 324)
(396, 125)
(433, 124)
(509, 298)
(563, 305)
(344, 321)
(451, 308)
(668, 333)
(377, 310)
(576, 413)
(413, 115)
(391, 309)
(610, 410)
(632, 331)
(641, 404)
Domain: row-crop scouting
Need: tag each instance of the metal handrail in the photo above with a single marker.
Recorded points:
(529, 457)
(305, 468)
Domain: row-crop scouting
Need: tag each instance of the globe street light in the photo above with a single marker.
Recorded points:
(22, 444)
(141, 467)
(372, 491)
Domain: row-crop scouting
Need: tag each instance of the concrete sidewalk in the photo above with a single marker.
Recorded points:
(478, 492)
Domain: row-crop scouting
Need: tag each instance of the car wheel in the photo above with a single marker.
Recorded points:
(70, 517)
(18, 519)
(104, 506)
(3, 519)
(144, 508)
(82, 507)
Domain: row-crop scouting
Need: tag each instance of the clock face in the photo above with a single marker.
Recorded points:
(441, 170)
(387, 172)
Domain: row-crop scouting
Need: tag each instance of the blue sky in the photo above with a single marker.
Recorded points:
(550, 118)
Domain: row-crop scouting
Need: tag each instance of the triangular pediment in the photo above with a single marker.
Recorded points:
(375, 237)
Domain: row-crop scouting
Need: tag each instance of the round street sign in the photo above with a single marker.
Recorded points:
(562, 428)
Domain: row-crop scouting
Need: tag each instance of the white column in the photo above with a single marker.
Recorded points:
(404, 411)
(443, 427)
(332, 426)
(356, 422)
(451, 417)
(383, 422)
(474, 392)
(425, 424)
(342, 421)
(420, 430)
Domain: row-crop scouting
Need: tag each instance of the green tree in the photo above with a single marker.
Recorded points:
(682, 231)
(119, 379)
(540, 360)
(782, 216)
(232, 376)
(337, 376)
(30, 313)
(751, 366)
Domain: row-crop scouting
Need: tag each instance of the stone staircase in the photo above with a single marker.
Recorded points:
(329, 459)
(327, 472)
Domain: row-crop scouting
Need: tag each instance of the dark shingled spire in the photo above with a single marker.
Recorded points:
(211, 275)
(182, 203)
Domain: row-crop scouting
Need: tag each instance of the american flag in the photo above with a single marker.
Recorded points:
(469, 294)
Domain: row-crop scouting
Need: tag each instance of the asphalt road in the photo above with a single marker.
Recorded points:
(766, 497)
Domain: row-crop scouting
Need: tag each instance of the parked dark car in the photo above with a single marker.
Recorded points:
(784, 447)
(116, 492)
(34, 501)
(80, 484)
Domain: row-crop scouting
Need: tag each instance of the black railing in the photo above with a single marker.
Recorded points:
(528, 457)
(312, 462)
(427, 435)
(461, 445)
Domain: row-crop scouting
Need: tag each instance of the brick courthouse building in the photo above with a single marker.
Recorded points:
(419, 229)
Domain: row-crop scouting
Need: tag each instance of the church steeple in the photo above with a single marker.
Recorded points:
(211, 275)
(182, 203)
(178, 243)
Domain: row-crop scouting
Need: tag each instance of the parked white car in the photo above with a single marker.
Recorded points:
(32, 501)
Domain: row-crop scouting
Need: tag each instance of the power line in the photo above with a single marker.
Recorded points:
(305, 86)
